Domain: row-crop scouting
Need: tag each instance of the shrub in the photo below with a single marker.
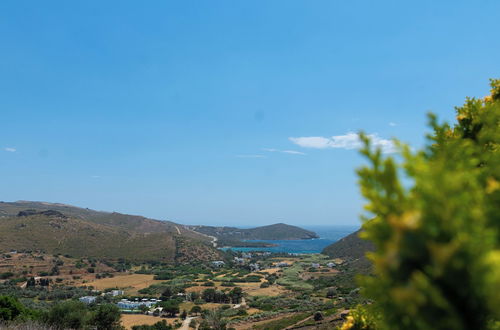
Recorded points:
(69, 314)
(437, 258)
(318, 316)
(10, 308)
(106, 316)
(6, 275)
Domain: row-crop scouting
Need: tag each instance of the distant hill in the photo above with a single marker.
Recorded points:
(349, 247)
(352, 250)
(278, 231)
(81, 232)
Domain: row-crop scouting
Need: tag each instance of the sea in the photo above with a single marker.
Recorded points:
(327, 234)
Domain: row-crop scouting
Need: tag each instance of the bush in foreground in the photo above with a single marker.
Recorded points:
(437, 258)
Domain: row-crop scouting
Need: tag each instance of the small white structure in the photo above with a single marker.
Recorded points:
(254, 267)
(88, 299)
(331, 264)
(239, 261)
(315, 265)
(114, 293)
(283, 264)
(218, 263)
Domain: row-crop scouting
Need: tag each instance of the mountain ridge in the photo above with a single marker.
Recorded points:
(82, 232)
(234, 235)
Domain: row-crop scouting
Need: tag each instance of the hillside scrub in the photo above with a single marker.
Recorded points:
(437, 256)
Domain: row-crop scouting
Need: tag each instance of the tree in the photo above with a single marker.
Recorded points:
(69, 314)
(318, 316)
(107, 317)
(213, 321)
(437, 237)
(195, 310)
(170, 307)
(167, 293)
(10, 308)
(183, 315)
(208, 295)
(236, 294)
(331, 292)
(143, 308)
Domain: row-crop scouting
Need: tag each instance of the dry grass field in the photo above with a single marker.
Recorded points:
(129, 320)
(130, 283)
(254, 289)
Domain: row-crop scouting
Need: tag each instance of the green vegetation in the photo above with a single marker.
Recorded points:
(437, 257)
(161, 325)
(284, 322)
(70, 314)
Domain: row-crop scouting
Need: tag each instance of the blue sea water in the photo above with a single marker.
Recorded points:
(327, 234)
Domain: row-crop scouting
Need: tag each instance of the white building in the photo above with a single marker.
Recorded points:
(218, 263)
(88, 299)
(127, 304)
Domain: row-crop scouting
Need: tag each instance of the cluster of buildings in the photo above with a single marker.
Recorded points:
(135, 304)
(329, 265)
(92, 299)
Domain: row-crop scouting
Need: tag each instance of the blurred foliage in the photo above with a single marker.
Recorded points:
(361, 318)
(436, 231)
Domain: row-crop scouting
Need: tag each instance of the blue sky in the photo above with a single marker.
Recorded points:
(225, 112)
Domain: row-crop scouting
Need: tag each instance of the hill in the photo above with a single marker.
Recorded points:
(80, 232)
(352, 249)
(278, 231)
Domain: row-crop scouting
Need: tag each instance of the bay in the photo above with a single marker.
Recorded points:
(327, 234)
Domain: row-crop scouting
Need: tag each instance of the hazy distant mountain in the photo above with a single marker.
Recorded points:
(278, 231)
(81, 232)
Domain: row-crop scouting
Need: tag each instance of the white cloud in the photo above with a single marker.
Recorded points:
(392, 124)
(348, 141)
(291, 152)
(10, 149)
(250, 156)
(95, 176)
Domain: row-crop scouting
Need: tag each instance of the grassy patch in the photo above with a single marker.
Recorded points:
(283, 323)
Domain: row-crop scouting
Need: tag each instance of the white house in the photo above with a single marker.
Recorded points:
(88, 299)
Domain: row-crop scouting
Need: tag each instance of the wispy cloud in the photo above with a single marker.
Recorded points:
(392, 124)
(95, 176)
(291, 152)
(347, 141)
(250, 156)
(10, 149)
